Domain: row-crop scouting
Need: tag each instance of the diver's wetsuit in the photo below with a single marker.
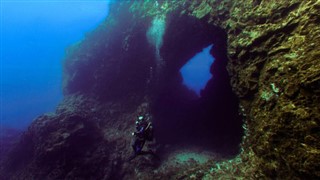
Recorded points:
(143, 134)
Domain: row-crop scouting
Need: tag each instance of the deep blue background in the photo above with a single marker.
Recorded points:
(34, 36)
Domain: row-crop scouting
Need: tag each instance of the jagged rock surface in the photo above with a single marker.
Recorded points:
(270, 49)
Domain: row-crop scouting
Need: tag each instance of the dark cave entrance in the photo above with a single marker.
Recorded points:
(211, 121)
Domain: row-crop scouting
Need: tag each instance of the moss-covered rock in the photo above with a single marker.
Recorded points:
(270, 48)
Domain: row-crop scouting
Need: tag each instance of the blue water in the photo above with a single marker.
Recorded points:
(34, 36)
(196, 72)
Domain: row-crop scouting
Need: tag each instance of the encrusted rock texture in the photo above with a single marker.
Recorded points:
(268, 50)
(275, 70)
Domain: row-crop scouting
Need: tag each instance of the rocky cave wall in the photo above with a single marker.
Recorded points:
(274, 66)
(270, 48)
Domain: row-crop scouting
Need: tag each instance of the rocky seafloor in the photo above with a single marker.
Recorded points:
(257, 118)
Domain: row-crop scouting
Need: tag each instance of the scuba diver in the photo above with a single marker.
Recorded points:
(144, 132)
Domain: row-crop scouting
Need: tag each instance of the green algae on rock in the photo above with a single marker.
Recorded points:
(270, 48)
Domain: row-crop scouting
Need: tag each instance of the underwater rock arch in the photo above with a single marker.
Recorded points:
(269, 48)
(212, 120)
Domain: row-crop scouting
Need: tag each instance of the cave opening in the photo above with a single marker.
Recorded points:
(196, 72)
(209, 120)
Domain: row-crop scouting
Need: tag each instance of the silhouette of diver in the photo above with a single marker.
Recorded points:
(144, 132)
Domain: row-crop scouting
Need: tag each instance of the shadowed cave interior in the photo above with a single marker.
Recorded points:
(211, 121)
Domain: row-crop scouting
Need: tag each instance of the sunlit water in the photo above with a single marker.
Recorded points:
(196, 72)
(34, 36)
